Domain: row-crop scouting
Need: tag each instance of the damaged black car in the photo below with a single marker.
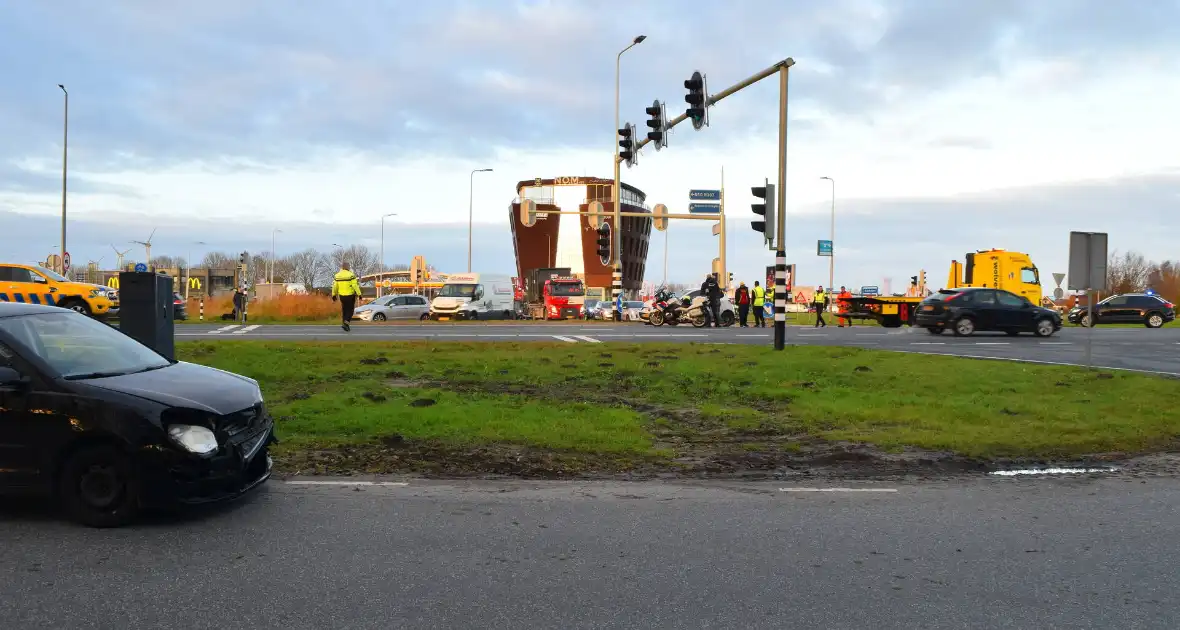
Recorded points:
(108, 427)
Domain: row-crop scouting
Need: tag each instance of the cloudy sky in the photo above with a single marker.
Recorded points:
(948, 126)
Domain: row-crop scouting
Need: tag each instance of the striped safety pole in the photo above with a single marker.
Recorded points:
(780, 299)
(616, 290)
(201, 307)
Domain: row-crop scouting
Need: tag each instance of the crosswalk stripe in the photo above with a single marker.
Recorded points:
(246, 329)
(589, 339)
(566, 339)
(223, 329)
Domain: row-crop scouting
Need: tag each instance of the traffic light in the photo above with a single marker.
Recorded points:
(730, 282)
(603, 242)
(627, 144)
(658, 124)
(914, 280)
(696, 100)
(764, 192)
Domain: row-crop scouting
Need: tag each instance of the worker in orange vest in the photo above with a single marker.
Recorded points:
(843, 305)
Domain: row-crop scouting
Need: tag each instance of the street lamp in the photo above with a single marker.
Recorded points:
(616, 232)
(832, 236)
(65, 144)
(382, 270)
(470, 210)
(271, 279)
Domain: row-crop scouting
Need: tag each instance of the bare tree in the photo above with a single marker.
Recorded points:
(308, 268)
(218, 260)
(363, 260)
(167, 262)
(1165, 279)
(1127, 272)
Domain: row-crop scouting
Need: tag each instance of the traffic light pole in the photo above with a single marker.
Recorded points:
(780, 254)
(724, 279)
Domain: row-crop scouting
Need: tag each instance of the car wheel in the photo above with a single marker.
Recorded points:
(1085, 321)
(78, 306)
(934, 330)
(1044, 328)
(97, 486)
(424, 317)
(378, 317)
(1154, 320)
(965, 327)
(728, 318)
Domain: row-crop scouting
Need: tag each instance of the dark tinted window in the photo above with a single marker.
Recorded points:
(15, 274)
(983, 298)
(1145, 301)
(398, 301)
(1118, 300)
(416, 301)
(1009, 299)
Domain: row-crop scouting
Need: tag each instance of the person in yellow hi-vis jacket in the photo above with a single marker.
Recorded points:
(759, 295)
(346, 286)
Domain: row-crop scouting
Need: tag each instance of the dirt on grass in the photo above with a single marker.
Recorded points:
(693, 444)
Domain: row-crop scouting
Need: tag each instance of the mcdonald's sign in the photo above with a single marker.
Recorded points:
(113, 282)
(194, 283)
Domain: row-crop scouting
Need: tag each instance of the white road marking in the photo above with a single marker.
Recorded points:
(246, 329)
(566, 339)
(871, 334)
(1050, 471)
(1038, 362)
(347, 483)
(927, 343)
(991, 343)
(589, 339)
(837, 489)
(222, 329)
(1056, 343)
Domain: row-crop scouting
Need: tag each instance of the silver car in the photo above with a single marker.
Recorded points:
(390, 307)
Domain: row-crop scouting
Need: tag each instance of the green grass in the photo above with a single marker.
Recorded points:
(657, 402)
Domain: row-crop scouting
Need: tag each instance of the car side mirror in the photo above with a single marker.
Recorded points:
(9, 377)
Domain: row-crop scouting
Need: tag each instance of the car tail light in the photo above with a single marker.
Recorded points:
(1169, 305)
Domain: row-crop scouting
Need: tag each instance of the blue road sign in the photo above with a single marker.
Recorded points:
(704, 208)
(868, 291)
(823, 248)
(140, 267)
(704, 195)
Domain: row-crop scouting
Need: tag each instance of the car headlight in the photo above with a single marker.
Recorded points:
(194, 439)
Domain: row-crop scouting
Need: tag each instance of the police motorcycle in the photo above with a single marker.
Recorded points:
(670, 310)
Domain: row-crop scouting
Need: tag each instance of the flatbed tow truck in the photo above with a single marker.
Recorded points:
(994, 268)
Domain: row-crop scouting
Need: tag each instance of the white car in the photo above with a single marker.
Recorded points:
(390, 307)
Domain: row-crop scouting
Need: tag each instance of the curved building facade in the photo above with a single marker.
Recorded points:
(536, 246)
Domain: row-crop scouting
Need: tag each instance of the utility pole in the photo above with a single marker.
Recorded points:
(271, 275)
(382, 271)
(832, 236)
(65, 154)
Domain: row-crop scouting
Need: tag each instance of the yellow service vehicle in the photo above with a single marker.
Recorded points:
(38, 285)
(991, 268)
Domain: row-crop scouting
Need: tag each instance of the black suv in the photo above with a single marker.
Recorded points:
(968, 310)
(1129, 308)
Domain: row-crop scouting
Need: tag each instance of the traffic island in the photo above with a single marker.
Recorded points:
(686, 410)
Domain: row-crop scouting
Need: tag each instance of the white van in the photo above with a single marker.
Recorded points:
(474, 296)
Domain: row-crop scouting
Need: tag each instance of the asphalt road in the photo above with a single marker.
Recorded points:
(981, 553)
(1122, 348)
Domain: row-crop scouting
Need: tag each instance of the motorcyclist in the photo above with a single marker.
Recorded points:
(711, 290)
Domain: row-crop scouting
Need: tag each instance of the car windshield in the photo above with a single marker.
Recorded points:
(457, 290)
(566, 288)
(52, 275)
(78, 347)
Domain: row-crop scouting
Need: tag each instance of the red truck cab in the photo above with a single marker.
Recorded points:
(564, 298)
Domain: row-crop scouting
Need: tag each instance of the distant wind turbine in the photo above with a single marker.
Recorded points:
(147, 247)
(119, 257)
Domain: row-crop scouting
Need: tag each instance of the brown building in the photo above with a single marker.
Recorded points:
(536, 246)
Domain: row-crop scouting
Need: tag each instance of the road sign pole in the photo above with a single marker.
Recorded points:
(724, 279)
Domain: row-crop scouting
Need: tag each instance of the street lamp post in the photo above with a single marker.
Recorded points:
(65, 153)
(382, 270)
(271, 278)
(832, 236)
(616, 234)
(471, 211)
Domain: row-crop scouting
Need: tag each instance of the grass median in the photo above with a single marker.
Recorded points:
(538, 409)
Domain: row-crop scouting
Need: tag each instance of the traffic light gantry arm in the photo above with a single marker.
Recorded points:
(716, 98)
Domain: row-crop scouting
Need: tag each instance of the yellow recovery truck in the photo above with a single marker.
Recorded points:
(993, 268)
